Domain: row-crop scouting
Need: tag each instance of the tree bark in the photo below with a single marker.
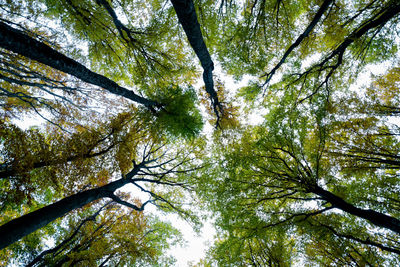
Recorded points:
(15, 229)
(187, 17)
(376, 218)
(18, 42)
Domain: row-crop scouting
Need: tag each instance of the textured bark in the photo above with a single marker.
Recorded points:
(187, 17)
(26, 224)
(376, 218)
(20, 43)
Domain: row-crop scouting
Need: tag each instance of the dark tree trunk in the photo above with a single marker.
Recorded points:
(20, 43)
(26, 224)
(187, 17)
(376, 218)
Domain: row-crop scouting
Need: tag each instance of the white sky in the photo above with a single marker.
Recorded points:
(196, 246)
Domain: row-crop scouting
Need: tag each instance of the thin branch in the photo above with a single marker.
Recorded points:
(44, 253)
(376, 21)
(325, 5)
(304, 216)
(365, 242)
(127, 204)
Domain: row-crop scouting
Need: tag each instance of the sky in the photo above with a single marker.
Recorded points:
(196, 246)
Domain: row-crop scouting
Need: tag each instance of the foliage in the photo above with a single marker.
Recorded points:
(272, 179)
(180, 117)
(316, 183)
(110, 235)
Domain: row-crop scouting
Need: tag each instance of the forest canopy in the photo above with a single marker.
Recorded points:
(133, 108)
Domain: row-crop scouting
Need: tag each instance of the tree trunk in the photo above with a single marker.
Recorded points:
(376, 218)
(187, 17)
(26, 224)
(20, 43)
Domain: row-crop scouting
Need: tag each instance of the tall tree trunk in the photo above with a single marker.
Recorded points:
(26, 224)
(20, 43)
(187, 17)
(376, 218)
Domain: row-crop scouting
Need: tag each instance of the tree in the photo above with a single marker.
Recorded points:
(109, 236)
(24, 45)
(18, 42)
(327, 175)
(156, 166)
(96, 150)
(185, 10)
(315, 183)
(334, 42)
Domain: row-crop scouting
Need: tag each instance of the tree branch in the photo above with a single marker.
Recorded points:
(20, 43)
(127, 204)
(366, 242)
(44, 253)
(375, 22)
(376, 218)
(325, 5)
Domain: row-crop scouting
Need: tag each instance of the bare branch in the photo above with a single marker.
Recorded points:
(325, 5)
(127, 204)
(363, 241)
